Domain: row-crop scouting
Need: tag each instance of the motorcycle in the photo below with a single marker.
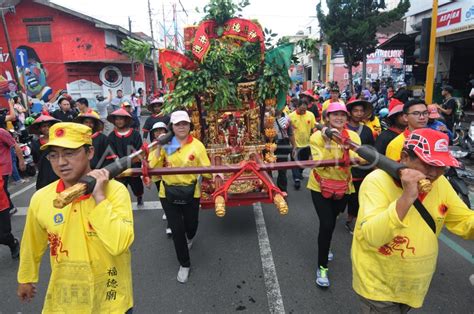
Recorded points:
(467, 142)
(457, 177)
(24, 142)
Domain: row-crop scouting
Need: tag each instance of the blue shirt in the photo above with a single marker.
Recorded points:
(437, 125)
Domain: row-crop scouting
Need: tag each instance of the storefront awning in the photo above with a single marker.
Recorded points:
(398, 41)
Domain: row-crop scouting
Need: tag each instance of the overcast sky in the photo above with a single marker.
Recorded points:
(282, 16)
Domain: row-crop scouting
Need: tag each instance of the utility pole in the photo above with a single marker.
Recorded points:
(12, 56)
(133, 61)
(430, 70)
(328, 63)
(153, 51)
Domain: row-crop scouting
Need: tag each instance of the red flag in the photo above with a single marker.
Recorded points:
(202, 39)
(244, 30)
(171, 61)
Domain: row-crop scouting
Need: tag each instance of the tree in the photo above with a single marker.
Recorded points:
(351, 25)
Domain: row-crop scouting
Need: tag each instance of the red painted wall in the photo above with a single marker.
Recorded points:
(73, 39)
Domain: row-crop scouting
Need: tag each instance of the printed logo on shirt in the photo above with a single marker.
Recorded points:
(398, 245)
(58, 219)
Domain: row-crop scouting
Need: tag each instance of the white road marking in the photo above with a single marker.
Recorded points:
(146, 206)
(275, 301)
(26, 188)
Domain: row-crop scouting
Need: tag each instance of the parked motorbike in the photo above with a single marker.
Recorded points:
(24, 141)
(458, 176)
(467, 142)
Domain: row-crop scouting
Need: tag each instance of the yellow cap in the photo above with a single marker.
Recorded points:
(69, 135)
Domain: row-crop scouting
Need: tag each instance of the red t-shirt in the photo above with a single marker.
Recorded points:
(4, 203)
(6, 142)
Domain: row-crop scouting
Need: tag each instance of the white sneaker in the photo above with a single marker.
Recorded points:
(168, 232)
(330, 256)
(322, 279)
(183, 274)
(163, 217)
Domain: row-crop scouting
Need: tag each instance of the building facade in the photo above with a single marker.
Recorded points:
(59, 49)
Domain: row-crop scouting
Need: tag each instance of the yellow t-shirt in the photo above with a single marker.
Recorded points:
(303, 125)
(322, 150)
(395, 147)
(286, 110)
(89, 248)
(327, 102)
(375, 126)
(191, 154)
(394, 260)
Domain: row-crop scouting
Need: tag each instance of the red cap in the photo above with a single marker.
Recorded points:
(308, 93)
(118, 113)
(35, 126)
(395, 110)
(433, 112)
(394, 102)
(431, 147)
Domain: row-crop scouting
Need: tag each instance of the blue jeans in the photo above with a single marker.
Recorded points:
(15, 174)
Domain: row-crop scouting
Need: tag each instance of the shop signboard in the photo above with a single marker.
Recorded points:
(455, 17)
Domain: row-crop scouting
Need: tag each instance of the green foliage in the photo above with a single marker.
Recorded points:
(227, 63)
(137, 49)
(309, 45)
(216, 79)
(351, 25)
(273, 80)
(222, 10)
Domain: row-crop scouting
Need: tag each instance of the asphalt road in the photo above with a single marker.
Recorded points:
(251, 260)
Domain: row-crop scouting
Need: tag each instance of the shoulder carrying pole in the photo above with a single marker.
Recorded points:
(374, 157)
(87, 183)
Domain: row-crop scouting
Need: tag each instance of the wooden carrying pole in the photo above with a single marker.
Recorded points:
(87, 183)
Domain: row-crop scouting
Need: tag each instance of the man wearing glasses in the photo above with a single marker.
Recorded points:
(89, 240)
(416, 114)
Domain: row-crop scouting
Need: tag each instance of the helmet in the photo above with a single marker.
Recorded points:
(383, 113)
(29, 121)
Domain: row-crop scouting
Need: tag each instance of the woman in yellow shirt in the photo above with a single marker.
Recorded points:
(180, 194)
(330, 186)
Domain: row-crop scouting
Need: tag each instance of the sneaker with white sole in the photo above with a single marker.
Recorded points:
(163, 217)
(168, 232)
(330, 256)
(183, 274)
(322, 279)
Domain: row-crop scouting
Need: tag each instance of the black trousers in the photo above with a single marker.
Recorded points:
(282, 180)
(5, 187)
(135, 183)
(353, 203)
(327, 210)
(183, 221)
(6, 236)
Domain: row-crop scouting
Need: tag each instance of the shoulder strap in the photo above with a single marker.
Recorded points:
(279, 127)
(425, 215)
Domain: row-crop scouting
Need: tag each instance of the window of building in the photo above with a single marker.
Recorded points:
(39, 33)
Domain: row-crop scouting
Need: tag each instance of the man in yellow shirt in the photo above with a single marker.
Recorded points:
(333, 97)
(89, 240)
(416, 114)
(394, 250)
(303, 122)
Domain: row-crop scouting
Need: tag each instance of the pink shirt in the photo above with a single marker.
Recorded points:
(6, 142)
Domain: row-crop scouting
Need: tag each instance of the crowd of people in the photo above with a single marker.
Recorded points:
(92, 236)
